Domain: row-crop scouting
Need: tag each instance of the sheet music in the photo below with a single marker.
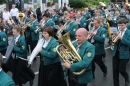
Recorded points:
(113, 29)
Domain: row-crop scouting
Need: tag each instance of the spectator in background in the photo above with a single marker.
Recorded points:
(16, 3)
(13, 12)
(72, 13)
(6, 15)
(39, 13)
(30, 11)
(68, 8)
(64, 8)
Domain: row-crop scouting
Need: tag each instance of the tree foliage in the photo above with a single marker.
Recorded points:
(86, 3)
(3, 1)
(77, 3)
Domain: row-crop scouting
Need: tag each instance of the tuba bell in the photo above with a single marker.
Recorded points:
(21, 16)
(102, 4)
(69, 54)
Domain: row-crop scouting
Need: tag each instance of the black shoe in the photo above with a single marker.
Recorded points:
(105, 74)
(127, 82)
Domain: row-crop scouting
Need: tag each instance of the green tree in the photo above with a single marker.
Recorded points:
(2, 1)
(77, 3)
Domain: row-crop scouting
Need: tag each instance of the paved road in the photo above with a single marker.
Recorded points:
(99, 79)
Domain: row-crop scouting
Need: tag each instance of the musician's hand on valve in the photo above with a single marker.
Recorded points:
(119, 36)
(28, 25)
(64, 28)
(92, 33)
(66, 64)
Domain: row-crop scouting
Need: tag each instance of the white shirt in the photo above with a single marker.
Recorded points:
(6, 16)
(46, 43)
(0, 69)
(123, 32)
(16, 39)
(14, 12)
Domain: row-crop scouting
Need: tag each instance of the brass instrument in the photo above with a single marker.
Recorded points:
(21, 16)
(59, 32)
(90, 26)
(116, 5)
(69, 54)
(102, 4)
(24, 27)
(114, 39)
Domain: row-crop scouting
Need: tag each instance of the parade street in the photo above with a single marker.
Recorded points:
(100, 80)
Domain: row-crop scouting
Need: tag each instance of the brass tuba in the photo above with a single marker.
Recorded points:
(21, 16)
(69, 54)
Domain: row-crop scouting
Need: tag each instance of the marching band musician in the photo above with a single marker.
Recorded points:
(98, 37)
(63, 18)
(33, 28)
(50, 71)
(22, 73)
(5, 79)
(55, 17)
(71, 27)
(87, 51)
(3, 40)
(114, 20)
(27, 32)
(87, 14)
(121, 53)
(48, 21)
(80, 20)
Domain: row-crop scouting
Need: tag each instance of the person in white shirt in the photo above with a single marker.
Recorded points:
(13, 12)
(6, 15)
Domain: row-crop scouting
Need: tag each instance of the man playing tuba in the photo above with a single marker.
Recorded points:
(87, 53)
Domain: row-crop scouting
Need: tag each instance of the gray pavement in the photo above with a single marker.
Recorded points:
(99, 79)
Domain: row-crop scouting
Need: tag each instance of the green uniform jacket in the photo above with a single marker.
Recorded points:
(83, 23)
(3, 41)
(99, 41)
(87, 15)
(27, 31)
(20, 48)
(72, 28)
(49, 23)
(5, 79)
(128, 26)
(49, 53)
(124, 47)
(55, 18)
(87, 53)
(33, 27)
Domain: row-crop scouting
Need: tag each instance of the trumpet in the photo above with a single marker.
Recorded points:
(59, 32)
(89, 35)
(25, 26)
(115, 38)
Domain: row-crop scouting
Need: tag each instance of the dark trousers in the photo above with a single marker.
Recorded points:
(119, 66)
(28, 42)
(15, 19)
(73, 80)
(98, 60)
(33, 45)
(3, 52)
